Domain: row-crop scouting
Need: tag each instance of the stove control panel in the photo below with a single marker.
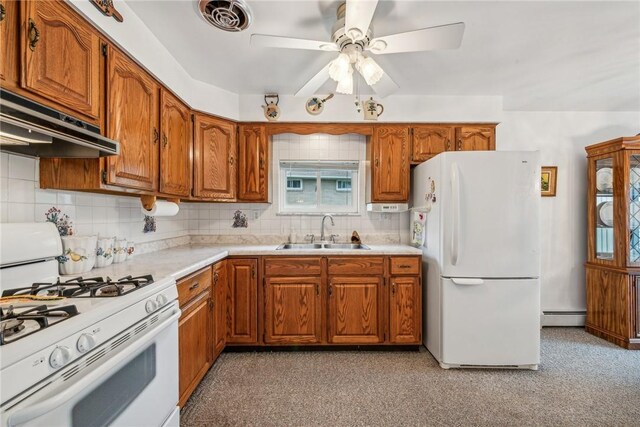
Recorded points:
(59, 357)
(85, 343)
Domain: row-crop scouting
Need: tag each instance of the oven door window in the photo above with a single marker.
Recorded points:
(107, 401)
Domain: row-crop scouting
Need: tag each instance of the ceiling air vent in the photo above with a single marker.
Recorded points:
(228, 15)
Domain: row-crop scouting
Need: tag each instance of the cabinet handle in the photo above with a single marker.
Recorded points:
(404, 266)
(165, 140)
(3, 12)
(215, 277)
(448, 144)
(377, 162)
(156, 136)
(317, 289)
(330, 288)
(34, 35)
(459, 144)
(253, 271)
(231, 160)
(393, 287)
(194, 286)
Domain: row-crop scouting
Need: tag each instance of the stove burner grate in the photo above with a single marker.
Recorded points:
(79, 287)
(12, 322)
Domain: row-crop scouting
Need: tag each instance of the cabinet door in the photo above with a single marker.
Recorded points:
(132, 120)
(61, 56)
(242, 301)
(475, 138)
(175, 151)
(253, 170)
(293, 310)
(194, 345)
(355, 310)
(9, 11)
(219, 307)
(214, 158)
(405, 310)
(427, 141)
(390, 158)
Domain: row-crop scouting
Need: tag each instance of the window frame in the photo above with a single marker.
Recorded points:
(357, 183)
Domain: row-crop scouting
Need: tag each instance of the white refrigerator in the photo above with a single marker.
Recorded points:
(481, 257)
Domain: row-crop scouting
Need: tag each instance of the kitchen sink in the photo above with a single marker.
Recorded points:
(305, 246)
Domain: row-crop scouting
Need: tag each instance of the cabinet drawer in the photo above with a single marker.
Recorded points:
(292, 266)
(193, 285)
(355, 265)
(405, 265)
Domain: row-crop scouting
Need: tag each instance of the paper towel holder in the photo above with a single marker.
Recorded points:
(149, 201)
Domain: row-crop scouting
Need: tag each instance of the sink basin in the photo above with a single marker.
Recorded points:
(345, 246)
(300, 246)
(306, 246)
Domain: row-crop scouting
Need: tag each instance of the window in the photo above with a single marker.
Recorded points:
(294, 184)
(318, 186)
(343, 185)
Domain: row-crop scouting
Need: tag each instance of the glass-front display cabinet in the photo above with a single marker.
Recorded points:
(613, 259)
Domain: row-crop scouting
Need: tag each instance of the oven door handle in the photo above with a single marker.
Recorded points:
(28, 413)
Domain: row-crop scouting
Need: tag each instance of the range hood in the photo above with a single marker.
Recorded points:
(32, 129)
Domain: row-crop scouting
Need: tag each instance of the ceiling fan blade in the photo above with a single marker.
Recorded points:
(358, 17)
(263, 40)
(314, 83)
(433, 38)
(385, 86)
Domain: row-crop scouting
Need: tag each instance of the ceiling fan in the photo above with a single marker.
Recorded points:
(353, 38)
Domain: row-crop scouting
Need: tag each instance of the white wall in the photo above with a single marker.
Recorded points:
(561, 138)
(396, 109)
(134, 37)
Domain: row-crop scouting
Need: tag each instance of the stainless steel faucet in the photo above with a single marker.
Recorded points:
(322, 230)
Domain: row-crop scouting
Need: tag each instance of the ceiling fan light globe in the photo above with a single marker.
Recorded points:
(345, 86)
(340, 67)
(370, 70)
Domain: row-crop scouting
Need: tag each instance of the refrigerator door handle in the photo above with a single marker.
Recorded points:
(455, 229)
(467, 282)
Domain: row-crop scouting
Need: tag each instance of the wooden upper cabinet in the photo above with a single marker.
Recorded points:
(293, 310)
(472, 138)
(356, 310)
(390, 164)
(61, 56)
(132, 120)
(405, 310)
(215, 158)
(429, 140)
(253, 168)
(175, 146)
(9, 56)
(242, 301)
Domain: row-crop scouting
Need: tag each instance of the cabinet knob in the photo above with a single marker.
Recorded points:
(393, 287)
(156, 136)
(165, 140)
(33, 34)
(231, 160)
(3, 12)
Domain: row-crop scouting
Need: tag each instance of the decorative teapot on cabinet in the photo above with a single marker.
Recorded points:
(371, 109)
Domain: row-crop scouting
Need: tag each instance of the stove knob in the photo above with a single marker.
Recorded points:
(85, 343)
(150, 306)
(59, 357)
(161, 300)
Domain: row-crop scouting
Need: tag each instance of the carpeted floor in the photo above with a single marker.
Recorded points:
(583, 381)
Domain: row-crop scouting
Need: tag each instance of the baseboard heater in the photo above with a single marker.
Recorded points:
(563, 318)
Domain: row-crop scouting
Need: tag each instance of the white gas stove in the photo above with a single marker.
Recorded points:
(92, 351)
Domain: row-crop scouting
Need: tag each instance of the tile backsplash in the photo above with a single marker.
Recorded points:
(21, 200)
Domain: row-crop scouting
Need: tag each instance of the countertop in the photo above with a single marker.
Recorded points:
(180, 261)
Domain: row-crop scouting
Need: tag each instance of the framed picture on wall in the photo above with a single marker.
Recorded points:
(548, 181)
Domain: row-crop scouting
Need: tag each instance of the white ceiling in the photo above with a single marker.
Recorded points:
(540, 55)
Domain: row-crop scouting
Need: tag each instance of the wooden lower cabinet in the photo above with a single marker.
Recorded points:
(242, 301)
(405, 310)
(355, 309)
(194, 345)
(219, 297)
(293, 310)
